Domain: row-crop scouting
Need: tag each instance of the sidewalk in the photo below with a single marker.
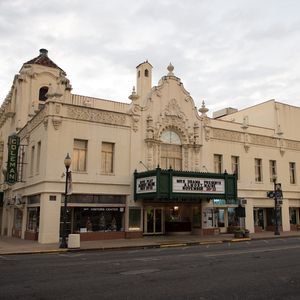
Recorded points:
(10, 245)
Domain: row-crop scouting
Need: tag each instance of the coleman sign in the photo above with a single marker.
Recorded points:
(12, 161)
(198, 185)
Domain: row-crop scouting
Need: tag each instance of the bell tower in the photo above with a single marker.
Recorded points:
(143, 79)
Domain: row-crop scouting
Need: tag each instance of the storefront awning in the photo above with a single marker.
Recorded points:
(170, 185)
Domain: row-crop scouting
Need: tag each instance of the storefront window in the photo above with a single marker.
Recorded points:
(293, 216)
(134, 218)
(87, 219)
(232, 218)
(220, 215)
(18, 215)
(33, 214)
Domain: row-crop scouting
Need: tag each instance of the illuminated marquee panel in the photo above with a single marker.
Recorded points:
(146, 185)
(198, 185)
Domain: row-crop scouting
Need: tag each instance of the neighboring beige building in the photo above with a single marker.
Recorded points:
(156, 165)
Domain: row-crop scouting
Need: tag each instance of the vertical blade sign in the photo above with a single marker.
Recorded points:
(12, 161)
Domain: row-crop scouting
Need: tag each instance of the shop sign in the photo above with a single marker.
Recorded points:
(12, 161)
(116, 209)
(146, 185)
(198, 185)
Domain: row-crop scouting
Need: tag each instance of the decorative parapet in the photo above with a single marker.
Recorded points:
(249, 139)
(263, 140)
(97, 116)
(227, 135)
(292, 144)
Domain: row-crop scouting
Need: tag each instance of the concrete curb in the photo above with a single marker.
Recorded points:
(149, 246)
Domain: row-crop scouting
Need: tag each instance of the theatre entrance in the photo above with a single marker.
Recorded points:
(153, 220)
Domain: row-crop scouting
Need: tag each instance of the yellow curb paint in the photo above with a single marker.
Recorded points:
(172, 245)
(241, 240)
(212, 242)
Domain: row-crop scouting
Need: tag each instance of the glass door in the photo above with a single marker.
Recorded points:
(153, 220)
(221, 219)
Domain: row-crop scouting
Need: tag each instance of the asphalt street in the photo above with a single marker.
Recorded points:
(262, 269)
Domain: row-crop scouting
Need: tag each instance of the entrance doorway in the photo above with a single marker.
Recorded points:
(220, 216)
(153, 223)
(259, 219)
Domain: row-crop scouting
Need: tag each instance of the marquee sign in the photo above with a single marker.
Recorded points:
(198, 185)
(160, 185)
(12, 161)
(146, 185)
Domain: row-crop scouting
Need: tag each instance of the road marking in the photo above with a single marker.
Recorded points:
(138, 272)
(147, 259)
(251, 251)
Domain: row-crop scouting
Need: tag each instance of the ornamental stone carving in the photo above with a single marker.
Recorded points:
(186, 156)
(45, 122)
(292, 144)
(169, 123)
(227, 135)
(135, 112)
(37, 119)
(207, 133)
(57, 108)
(56, 121)
(150, 129)
(87, 114)
(263, 140)
(173, 109)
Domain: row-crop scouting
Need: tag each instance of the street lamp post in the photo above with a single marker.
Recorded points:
(63, 243)
(276, 196)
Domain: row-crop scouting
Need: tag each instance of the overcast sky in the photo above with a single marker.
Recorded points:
(230, 53)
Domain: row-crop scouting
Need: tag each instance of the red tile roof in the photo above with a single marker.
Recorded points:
(43, 60)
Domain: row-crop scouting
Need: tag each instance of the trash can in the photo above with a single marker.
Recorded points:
(73, 241)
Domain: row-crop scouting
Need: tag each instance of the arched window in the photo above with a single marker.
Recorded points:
(139, 74)
(42, 93)
(171, 151)
(146, 73)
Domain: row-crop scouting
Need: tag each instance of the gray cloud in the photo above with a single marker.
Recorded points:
(229, 53)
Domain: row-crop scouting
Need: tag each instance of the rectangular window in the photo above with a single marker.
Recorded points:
(218, 162)
(107, 158)
(235, 166)
(38, 157)
(32, 160)
(273, 170)
(258, 170)
(292, 172)
(79, 155)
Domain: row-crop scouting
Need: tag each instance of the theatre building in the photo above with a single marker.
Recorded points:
(155, 164)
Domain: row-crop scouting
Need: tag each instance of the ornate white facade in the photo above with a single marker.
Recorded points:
(109, 140)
